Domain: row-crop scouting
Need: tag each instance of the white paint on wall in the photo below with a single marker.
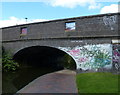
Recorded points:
(110, 21)
(116, 41)
(89, 57)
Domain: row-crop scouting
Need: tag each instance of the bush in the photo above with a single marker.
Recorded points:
(68, 62)
(7, 63)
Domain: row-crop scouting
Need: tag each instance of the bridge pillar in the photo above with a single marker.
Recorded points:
(91, 57)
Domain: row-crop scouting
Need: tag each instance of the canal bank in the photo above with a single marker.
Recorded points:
(14, 81)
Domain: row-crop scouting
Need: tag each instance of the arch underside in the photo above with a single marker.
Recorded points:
(45, 56)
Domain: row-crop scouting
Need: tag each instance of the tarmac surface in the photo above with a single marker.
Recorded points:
(63, 81)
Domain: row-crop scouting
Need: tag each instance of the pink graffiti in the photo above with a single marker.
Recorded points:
(82, 59)
(116, 58)
(75, 52)
(116, 53)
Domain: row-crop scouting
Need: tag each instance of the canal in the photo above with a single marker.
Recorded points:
(14, 81)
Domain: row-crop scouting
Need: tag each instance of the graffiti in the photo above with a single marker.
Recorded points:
(116, 56)
(117, 66)
(110, 21)
(75, 52)
(89, 57)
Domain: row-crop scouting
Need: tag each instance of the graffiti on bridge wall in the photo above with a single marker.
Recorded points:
(89, 57)
(116, 56)
(110, 21)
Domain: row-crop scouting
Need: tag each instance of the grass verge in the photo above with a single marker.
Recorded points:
(97, 82)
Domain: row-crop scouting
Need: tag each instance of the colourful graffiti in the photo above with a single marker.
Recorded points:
(89, 57)
(116, 56)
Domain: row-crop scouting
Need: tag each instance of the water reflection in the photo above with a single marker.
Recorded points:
(14, 81)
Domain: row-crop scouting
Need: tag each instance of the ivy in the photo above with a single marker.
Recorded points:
(7, 63)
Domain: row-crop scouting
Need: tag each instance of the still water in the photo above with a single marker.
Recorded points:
(14, 81)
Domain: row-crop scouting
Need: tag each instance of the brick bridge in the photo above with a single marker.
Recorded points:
(92, 41)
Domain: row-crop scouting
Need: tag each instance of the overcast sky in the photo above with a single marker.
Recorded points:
(14, 12)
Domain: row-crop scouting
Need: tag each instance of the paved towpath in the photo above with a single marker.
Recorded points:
(58, 82)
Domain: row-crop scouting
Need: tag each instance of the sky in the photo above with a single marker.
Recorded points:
(14, 12)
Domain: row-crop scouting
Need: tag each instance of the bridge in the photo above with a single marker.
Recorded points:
(91, 41)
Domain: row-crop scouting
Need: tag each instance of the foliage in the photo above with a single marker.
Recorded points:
(0, 58)
(69, 62)
(98, 82)
(7, 63)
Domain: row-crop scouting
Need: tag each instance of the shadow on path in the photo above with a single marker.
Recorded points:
(58, 82)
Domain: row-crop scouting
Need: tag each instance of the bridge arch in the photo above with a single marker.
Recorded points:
(46, 54)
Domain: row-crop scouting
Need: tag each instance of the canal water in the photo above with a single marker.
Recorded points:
(14, 81)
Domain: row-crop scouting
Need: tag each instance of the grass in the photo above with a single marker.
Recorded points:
(97, 82)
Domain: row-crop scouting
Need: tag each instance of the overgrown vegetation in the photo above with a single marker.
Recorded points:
(7, 63)
(0, 57)
(97, 83)
(68, 62)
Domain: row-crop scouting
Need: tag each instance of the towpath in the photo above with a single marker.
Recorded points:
(57, 82)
